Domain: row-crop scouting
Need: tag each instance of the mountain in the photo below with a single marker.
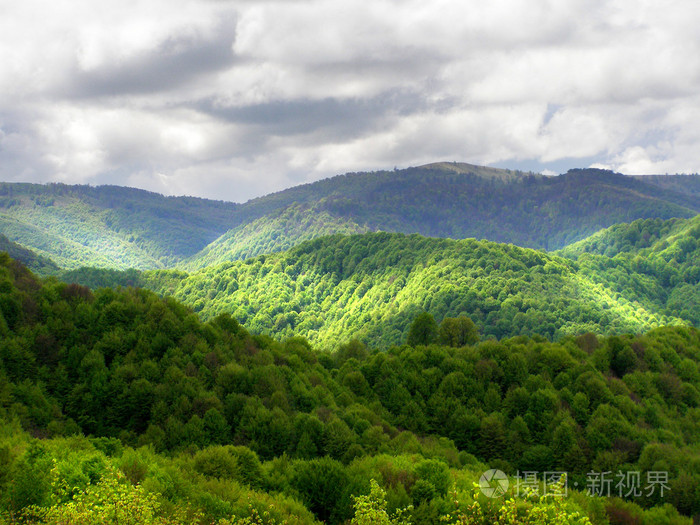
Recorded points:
(627, 237)
(38, 264)
(109, 226)
(655, 262)
(277, 231)
(121, 406)
(457, 201)
(113, 227)
(684, 184)
(371, 286)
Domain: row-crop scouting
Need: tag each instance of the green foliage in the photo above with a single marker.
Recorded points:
(451, 200)
(114, 227)
(370, 509)
(109, 226)
(36, 263)
(111, 500)
(660, 273)
(204, 416)
(373, 286)
(279, 230)
(532, 509)
(423, 330)
(322, 486)
(457, 331)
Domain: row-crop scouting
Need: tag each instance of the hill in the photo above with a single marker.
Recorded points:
(652, 261)
(626, 237)
(277, 231)
(120, 406)
(114, 227)
(109, 226)
(38, 264)
(372, 285)
(456, 201)
(685, 184)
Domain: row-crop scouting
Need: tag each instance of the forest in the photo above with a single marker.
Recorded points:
(121, 228)
(118, 405)
(626, 279)
(108, 226)
(374, 348)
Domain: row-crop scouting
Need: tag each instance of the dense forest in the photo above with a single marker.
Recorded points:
(122, 406)
(121, 228)
(626, 279)
(109, 226)
(654, 260)
(348, 352)
(38, 264)
(461, 201)
(277, 231)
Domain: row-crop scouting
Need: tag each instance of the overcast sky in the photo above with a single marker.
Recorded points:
(235, 99)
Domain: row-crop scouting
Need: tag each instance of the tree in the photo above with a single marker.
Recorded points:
(371, 509)
(216, 428)
(322, 485)
(423, 330)
(458, 331)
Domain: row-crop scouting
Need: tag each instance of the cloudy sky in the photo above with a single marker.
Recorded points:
(235, 99)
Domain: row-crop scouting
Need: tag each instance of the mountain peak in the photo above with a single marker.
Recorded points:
(485, 172)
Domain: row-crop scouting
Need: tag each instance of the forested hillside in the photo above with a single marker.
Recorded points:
(280, 230)
(109, 226)
(650, 261)
(239, 428)
(685, 184)
(36, 263)
(113, 227)
(371, 286)
(628, 238)
(462, 201)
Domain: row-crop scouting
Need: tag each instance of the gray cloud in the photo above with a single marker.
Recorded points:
(177, 61)
(236, 99)
(335, 118)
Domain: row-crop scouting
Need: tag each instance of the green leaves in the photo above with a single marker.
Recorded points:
(423, 330)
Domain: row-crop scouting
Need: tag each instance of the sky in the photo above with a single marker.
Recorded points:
(236, 99)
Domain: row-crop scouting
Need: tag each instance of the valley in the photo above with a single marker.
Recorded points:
(362, 349)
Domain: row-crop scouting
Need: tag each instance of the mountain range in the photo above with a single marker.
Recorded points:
(371, 286)
(120, 228)
(344, 350)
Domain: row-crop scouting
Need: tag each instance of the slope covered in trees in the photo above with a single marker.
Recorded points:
(113, 227)
(655, 262)
(36, 263)
(630, 238)
(280, 230)
(109, 226)
(371, 286)
(239, 424)
(461, 201)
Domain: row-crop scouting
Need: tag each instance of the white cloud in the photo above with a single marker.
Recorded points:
(236, 99)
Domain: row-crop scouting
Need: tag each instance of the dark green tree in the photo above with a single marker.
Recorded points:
(322, 485)
(457, 331)
(423, 330)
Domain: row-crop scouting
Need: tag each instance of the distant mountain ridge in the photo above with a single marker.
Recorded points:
(109, 226)
(460, 201)
(115, 227)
